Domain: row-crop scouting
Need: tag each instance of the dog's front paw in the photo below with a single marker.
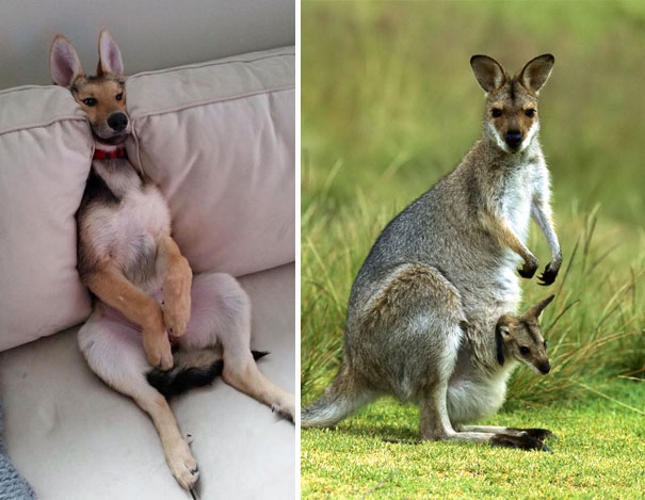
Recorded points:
(176, 302)
(183, 465)
(176, 314)
(158, 350)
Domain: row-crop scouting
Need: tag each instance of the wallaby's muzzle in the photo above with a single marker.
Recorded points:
(513, 140)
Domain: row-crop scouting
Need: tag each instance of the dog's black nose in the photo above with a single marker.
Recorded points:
(513, 139)
(118, 121)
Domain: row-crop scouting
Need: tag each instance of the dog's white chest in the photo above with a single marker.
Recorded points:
(142, 213)
(128, 231)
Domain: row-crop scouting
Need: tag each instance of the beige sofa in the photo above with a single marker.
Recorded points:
(218, 138)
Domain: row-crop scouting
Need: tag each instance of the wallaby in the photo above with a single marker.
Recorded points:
(426, 302)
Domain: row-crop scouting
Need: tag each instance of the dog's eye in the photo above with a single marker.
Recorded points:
(524, 351)
(89, 101)
(119, 96)
(530, 112)
(496, 112)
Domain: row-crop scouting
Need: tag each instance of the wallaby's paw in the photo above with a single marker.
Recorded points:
(183, 465)
(529, 268)
(158, 350)
(548, 276)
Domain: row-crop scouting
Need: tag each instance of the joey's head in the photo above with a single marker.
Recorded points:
(102, 97)
(511, 119)
(521, 339)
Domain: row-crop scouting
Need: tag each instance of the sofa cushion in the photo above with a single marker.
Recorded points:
(45, 152)
(217, 137)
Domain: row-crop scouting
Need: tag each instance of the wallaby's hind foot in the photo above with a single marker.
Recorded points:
(541, 434)
(521, 441)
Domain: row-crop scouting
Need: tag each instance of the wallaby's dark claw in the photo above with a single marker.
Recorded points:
(526, 273)
(548, 276)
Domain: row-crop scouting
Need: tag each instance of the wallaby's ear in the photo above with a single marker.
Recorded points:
(536, 311)
(502, 330)
(488, 72)
(536, 72)
(64, 64)
(110, 61)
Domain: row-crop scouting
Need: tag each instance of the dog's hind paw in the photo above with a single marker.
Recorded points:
(285, 410)
(183, 466)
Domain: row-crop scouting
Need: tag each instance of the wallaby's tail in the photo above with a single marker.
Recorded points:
(343, 397)
(190, 369)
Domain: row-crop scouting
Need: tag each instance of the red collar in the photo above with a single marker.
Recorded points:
(101, 154)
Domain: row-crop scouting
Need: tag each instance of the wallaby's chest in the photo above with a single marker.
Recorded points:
(516, 197)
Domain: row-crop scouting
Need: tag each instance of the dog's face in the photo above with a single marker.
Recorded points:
(103, 100)
(102, 97)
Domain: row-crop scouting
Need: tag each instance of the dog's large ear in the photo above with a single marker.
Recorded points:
(64, 64)
(110, 61)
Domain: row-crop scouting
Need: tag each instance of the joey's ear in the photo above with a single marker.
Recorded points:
(110, 61)
(536, 72)
(536, 311)
(499, 343)
(64, 64)
(502, 330)
(488, 72)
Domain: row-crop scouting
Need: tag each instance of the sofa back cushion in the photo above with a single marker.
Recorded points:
(218, 138)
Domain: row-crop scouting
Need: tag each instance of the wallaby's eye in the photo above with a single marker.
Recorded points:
(119, 96)
(496, 112)
(525, 351)
(90, 101)
(530, 112)
(545, 345)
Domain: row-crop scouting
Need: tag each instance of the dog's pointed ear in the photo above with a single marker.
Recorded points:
(110, 61)
(64, 63)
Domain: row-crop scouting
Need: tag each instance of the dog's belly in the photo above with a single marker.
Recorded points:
(128, 233)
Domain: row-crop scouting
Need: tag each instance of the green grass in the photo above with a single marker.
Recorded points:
(389, 105)
(599, 453)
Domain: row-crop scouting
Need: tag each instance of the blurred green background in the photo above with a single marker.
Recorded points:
(387, 85)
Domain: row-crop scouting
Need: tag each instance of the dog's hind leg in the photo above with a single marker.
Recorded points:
(221, 315)
(114, 351)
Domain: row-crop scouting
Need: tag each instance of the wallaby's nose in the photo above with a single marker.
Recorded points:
(544, 368)
(117, 121)
(513, 139)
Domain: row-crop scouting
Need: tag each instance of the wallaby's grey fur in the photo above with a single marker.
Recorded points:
(425, 305)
